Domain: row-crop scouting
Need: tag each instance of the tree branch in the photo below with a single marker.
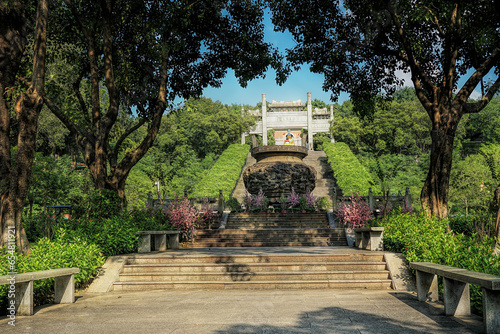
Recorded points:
(479, 105)
(80, 131)
(109, 78)
(475, 78)
(76, 89)
(451, 52)
(416, 70)
(114, 156)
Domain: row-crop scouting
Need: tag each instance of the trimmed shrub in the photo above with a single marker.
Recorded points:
(46, 254)
(114, 235)
(351, 176)
(224, 173)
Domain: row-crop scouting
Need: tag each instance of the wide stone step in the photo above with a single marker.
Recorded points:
(289, 237)
(245, 275)
(262, 285)
(246, 259)
(265, 244)
(302, 217)
(280, 231)
(255, 267)
(271, 225)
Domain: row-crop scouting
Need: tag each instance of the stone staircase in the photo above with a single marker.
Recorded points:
(325, 182)
(272, 230)
(239, 189)
(269, 271)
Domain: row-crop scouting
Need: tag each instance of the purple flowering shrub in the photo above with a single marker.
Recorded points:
(248, 201)
(354, 214)
(293, 199)
(310, 200)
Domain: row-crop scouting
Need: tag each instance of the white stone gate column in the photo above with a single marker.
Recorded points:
(332, 139)
(309, 122)
(264, 120)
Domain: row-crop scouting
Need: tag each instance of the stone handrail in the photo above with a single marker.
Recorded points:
(456, 291)
(22, 284)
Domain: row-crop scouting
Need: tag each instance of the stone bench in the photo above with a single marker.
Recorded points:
(160, 240)
(23, 286)
(369, 238)
(456, 291)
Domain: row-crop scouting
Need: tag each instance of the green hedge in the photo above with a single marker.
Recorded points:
(351, 176)
(224, 174)
(422, 239)
(46, 254)
(113, 235)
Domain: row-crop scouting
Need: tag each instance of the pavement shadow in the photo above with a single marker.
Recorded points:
(345, 321)
(239, 272)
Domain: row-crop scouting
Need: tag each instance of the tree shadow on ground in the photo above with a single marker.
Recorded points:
(349, 321)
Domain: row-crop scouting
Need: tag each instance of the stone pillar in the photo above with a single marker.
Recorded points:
(220, 202)
(242, 133)
(254, 141)
(456, 297)
(332, 139)
(407, 197)
(427, 287)
(264, 120)
(309, 122)
(491, 310)
(371, 201)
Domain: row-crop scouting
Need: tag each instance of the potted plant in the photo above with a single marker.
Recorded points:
(303, 204)
(283, 203)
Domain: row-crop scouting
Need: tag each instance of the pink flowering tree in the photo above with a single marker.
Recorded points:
(182, 215)
(354, 214)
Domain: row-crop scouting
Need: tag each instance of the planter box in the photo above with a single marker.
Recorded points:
(369, 238)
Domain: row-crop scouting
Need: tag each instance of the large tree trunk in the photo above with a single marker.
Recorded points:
(16, 178)
(434, 195)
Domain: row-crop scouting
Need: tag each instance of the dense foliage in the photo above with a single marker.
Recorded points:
(351, 176)
(425, 239)
(59, 253)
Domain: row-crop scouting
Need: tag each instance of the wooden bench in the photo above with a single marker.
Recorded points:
(22, 284)
(160, 240)
(456, 291)
(369, 238)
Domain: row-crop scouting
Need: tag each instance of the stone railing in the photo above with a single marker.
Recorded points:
(376, 202)
(162, 204)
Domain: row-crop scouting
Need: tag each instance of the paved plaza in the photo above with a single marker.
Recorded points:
(243, 311)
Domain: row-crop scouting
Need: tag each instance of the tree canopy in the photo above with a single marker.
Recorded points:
(361, 48)
(134, 56)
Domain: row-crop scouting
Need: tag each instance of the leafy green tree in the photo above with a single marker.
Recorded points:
(485, 127)
(318, 104)
(360, 47)
(145, 54)
(471, 183)
(491, 154)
